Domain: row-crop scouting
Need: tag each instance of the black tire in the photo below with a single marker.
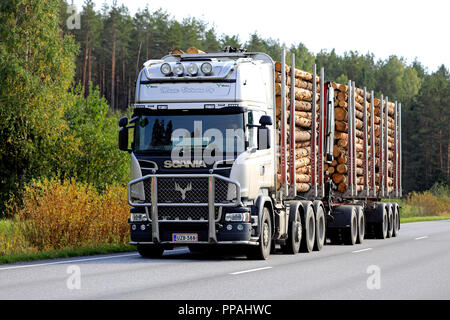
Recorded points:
(396, 222)
(390, 222)
(308, 231)
(320, 229)
(361, 226)
(150, 250)
(350, 234)
(292, 245)
(262, 250)
(382, 227)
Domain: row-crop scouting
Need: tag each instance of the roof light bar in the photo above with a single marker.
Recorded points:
(206, 68)
(178, 69)
(192, 69)
(166, 69)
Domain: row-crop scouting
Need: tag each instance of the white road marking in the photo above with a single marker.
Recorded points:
(420, 238)
(68, 261)
(251, 270)
(362, 250)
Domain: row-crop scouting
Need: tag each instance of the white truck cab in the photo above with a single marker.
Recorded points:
(205, 157)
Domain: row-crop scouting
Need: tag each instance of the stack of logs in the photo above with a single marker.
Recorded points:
(303, 122)
(338, 170)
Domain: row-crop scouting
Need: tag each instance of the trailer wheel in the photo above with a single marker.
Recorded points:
(320, 229)
(292, 245)
(262, 250)
(396, 222)
(150, 250)
(381, 228)
(390, 222)
(350, 234)
(361, 226)
(309, 231)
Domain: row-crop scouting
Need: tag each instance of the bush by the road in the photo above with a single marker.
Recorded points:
(433, 202)
(52, 214)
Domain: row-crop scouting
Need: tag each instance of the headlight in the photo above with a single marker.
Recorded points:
(166, 69)
(178, 69)
(192, 69)
(138, 217)
(237, 217)
(206, 68)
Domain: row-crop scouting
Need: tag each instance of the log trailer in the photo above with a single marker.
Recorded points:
(213, 162)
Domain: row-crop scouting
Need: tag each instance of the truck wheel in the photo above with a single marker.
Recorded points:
(381, 228)
(150, 250)
(309, 231)
(292, 245)
(320, 229)
(396, 222)
(262, 250)
(361, 226)
(390, 222)
(350, 234)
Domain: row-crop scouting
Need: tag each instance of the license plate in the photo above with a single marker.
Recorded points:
(185, 237)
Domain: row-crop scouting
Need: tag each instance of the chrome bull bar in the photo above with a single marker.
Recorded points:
(211, 202)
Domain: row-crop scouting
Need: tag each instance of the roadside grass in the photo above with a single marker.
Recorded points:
(419, 219)
(14, 246)
(433, 204)
(65, 253)
(54, 219)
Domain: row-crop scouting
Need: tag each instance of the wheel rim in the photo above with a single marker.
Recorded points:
(391, 223)
(298, 232)
(397, 218)
(354, 227)
(361, 225)
(311, 229)
(321, 227)
(385, 226)
(266, 235)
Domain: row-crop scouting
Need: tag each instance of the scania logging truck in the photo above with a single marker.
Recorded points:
(214, 163)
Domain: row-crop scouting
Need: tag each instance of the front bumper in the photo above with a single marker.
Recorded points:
(226, 233)
(209, 232)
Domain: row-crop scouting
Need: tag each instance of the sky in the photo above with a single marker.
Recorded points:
(407, 28)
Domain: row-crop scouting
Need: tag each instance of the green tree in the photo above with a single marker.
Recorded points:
(303, 58)
(96, 160)
(232, 41)
(427, 158)
(36, 68)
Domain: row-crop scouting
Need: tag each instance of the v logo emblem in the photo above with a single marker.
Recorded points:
(183, 191)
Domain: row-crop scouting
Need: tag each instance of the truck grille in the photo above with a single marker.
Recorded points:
(190, 190)
(185, 213)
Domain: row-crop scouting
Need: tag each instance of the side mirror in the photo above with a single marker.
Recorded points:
(263, 138)
(123, 138)
(123, 122)
(265, 120)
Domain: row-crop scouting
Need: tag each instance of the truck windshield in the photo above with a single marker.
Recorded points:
(217, 134)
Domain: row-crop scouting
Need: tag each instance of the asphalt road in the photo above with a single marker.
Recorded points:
(414, 265)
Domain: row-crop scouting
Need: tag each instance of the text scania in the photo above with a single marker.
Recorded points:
(184, 164)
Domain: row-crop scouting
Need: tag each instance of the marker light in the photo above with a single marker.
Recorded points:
(192, 69)
(166, 69)
(178, 69)
(206, 68)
